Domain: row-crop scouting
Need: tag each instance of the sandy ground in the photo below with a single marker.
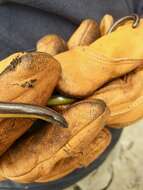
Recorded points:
(123, 169)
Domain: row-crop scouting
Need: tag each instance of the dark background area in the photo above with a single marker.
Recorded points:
(23, 22)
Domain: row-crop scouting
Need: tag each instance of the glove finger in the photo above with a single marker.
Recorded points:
(51, 44)
(85, 34)
(105, 24)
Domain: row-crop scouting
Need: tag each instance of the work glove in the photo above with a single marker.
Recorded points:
(124, 98)
(51, 152)
(87, 68)
(24, 78)
(123, 95)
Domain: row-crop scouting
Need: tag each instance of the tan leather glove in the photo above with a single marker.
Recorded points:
(49, 153)
(85, 69)
(26, 78)
(124, 98)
